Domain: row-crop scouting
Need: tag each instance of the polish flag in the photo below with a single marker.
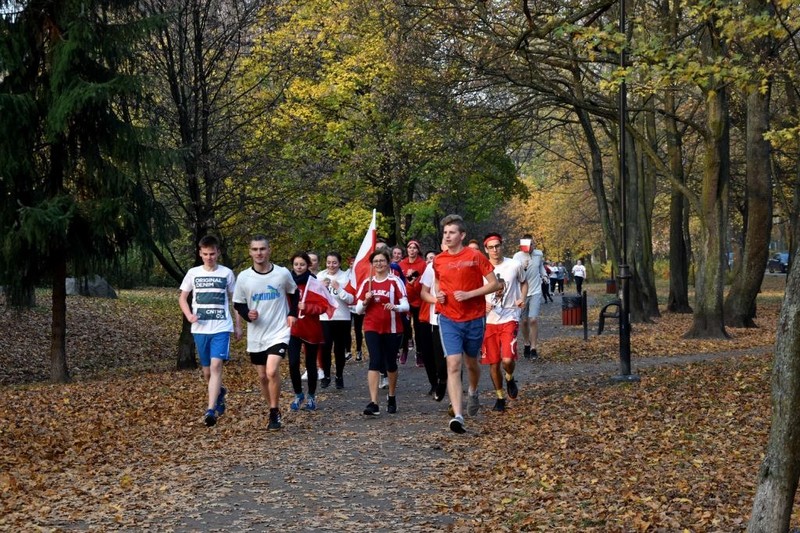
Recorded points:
(320, 295)
(361, 268)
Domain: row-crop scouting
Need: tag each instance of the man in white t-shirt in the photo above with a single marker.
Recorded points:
(210, 286)
(533, 262)
(262, 299)
(503, 309)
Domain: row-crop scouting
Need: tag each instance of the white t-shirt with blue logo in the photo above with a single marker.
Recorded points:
(210, 292)
(266, 293)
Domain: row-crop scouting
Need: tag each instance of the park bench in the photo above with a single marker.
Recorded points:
(606, 313)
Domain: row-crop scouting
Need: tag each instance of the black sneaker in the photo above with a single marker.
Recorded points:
(325, 383)
(441, 389)
(274, 420)
(210, 418)
(499, 405)
(526, 351)
(339, 383)
(348, 356)
(534, 355)
(511, 387)
(221, 401)
(391, 404)
(359, 356)
(431, 391)
(372, 409)
(457, 424)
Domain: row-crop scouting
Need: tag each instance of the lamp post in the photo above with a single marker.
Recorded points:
(624, 269)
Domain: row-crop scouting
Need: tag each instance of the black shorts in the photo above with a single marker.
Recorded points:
(260, 358)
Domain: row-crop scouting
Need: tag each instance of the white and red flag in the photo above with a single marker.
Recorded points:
(319, 295)
(361, 269)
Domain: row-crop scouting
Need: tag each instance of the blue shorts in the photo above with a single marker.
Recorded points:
(461, 337)
(212, 346)
(532, 305)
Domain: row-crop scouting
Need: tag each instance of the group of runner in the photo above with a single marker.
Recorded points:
(465, 310)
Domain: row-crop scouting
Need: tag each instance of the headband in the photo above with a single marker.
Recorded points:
(492, 238)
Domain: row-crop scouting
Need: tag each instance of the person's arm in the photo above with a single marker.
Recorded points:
(426, 295)
(524, 294)
(400, 307)
(183, 301)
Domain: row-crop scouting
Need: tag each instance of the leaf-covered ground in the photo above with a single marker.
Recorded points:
(120, 448)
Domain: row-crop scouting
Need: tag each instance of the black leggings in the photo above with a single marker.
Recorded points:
(311, 365)
(425, 343)
(438, 356)
(337, 340)
(358, 328)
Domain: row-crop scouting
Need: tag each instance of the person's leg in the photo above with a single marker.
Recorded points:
(214, 382)
(274, 379)
(376, 363)
(311, 366)
(358, 330)
(454, 385)
(294, 365)
(327, 332)
(425, 346)
(415, 323)
(340, 331)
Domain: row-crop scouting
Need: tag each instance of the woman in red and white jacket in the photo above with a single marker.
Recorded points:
(381, 299)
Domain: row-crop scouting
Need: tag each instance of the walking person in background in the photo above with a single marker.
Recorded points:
(382, 298)
(306, 332)
(211, 286)
(460, 272)
(553, 278)
(335, 329)
(263, 298)
(579, 274)
(412, 266)
(503, 309)
(546, 283)
(561, 275)
(533, 261)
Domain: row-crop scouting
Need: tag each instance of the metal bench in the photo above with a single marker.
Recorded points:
(605, 313)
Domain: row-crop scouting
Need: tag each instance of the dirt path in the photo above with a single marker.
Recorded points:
(336, 470)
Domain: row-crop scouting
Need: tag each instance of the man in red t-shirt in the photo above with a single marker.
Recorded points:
(460, 273)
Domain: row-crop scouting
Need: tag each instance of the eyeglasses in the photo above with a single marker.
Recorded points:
(374, 261)
(495, 247)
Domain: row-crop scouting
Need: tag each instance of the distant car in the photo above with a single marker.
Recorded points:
(779, 263)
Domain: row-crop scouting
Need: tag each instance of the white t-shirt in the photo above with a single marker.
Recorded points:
(266, 293)
(579, 270)
(533, 263)
(504, 306)
(428, 279)
(343, 311)
(210, 298)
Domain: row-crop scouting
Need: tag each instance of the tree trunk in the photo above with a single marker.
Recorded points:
(58, 328)
(678, 299)
(740, 305)
(780, 469)
(709, 285)
(186, 351)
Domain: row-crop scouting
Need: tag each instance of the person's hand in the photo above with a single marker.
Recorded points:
(192, 318)
(460, 296)
(389, 307)
(252, 314)
(520, 303)
(441, 297)
(301, 306)
(335, 285)
(290, 320)
(489, 307)
(368, 297)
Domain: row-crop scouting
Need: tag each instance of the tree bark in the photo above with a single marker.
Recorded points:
(780, 469)
(58, 329)
(186, 350)
(740, 305)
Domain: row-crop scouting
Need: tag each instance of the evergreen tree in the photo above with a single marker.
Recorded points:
(69, 158)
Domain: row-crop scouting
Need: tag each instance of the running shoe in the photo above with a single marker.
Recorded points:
(534, 355)
(304, 377)
(499, 405)
(325, 382)
(311, 403)
(473, 404)
(457, 425)
(220, 409)
(359, 356)
(210, 418)
(511, 387)
(391, 404)
(298, 401)
(384, 382)
(419, 362)
(339, 383)
(526, 351)
(348, 356)
(320, 374)
(441, 389)
(403, 357)
(274, 420)
(372, 409)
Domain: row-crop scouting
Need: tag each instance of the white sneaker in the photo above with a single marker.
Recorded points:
(384, 382)
(320, 373)
(304, 377)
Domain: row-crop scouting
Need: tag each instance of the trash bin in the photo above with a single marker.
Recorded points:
(571, 311)
(611, 286)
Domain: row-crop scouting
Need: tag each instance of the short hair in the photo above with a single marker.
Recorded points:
(381, 251)
(259, 237)
(381, 245)
(209, 241)
(527, 236)
(454, 219)
(301, 255)
(493, 235)
(473, 241)
(337, 255)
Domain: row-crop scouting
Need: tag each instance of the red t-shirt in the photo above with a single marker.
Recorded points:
(376, 318)
(309, 328)
(412, 281)
(463, 271)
